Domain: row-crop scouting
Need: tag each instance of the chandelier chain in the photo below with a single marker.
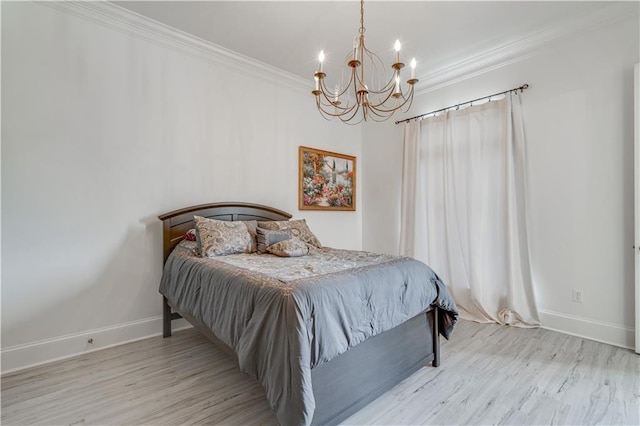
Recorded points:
(362, 28)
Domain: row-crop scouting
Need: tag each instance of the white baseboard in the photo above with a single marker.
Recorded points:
(19, 357)
(612, 334)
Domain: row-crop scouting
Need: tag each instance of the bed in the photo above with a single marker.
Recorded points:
(320, 352)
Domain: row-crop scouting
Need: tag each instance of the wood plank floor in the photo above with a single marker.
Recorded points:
(489, 375)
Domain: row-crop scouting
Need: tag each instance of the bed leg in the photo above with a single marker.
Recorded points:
(166, 318)
(436, 339)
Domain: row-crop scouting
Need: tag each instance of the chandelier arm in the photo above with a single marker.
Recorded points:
(346, 89)
(327, 114)
(329, 104)
(390, 110)
(381, 103)
(380, 119)
(358, 72)
(319, 106)
(348, 120)
(353, 111)
(378, 67)
(350, 87)
(409, 99)
(338, 110)
(384, 90)
(410, 103)
(406, 99)
(386, 113)
(387, 87)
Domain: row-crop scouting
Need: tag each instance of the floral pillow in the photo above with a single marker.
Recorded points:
(267, 237)
(219, 237)
(293, 247)
(299, 228)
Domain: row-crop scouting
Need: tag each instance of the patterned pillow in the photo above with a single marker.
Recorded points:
(294, 247)
(251, 226)
(298, 228)
(219, 237)
(267, 237)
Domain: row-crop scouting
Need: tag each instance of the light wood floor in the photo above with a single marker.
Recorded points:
(489, 375)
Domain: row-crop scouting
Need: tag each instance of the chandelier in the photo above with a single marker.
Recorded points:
(357, 98)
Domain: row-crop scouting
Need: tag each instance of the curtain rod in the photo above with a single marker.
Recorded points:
(515, 89)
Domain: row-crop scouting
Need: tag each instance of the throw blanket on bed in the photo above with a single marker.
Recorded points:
(285, 316)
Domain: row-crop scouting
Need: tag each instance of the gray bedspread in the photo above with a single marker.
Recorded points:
(285, 316)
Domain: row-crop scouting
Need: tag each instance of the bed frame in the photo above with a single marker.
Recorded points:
(348, 382)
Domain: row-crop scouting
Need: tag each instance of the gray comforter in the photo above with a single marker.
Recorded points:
(285, 316)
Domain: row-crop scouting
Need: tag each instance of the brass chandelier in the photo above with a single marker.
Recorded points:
(357, 101)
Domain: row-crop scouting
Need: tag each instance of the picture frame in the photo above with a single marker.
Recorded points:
(326, 180)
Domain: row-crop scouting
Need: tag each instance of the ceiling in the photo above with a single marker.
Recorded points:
(440, 34)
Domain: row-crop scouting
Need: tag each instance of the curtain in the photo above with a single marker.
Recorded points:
(463, 208)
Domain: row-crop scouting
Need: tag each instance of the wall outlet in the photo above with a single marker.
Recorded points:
(576, 295)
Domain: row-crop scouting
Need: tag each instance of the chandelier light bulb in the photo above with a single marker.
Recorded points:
(397, 46)
(321, 60)
(356, 42)
(413, 68)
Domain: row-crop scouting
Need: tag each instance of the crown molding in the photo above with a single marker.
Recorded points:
(126, 21)
(115, 17)
(525, 47)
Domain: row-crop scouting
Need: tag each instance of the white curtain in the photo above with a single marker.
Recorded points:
(463, 208)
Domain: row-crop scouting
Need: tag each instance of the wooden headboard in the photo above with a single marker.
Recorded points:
(176, 223)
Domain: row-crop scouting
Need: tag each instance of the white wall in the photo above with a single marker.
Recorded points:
(579, 126)
(102, 131)
(382, 170)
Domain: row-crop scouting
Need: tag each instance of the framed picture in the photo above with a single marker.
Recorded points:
(326, 180)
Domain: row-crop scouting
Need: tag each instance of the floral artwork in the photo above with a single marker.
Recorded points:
(327, 181)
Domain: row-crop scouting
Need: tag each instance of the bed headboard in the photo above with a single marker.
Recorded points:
(176, 223)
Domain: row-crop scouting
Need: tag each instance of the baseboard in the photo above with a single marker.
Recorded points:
(19, 357)
(612, 334)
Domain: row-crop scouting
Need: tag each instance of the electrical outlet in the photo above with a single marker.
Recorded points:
(576, 295)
